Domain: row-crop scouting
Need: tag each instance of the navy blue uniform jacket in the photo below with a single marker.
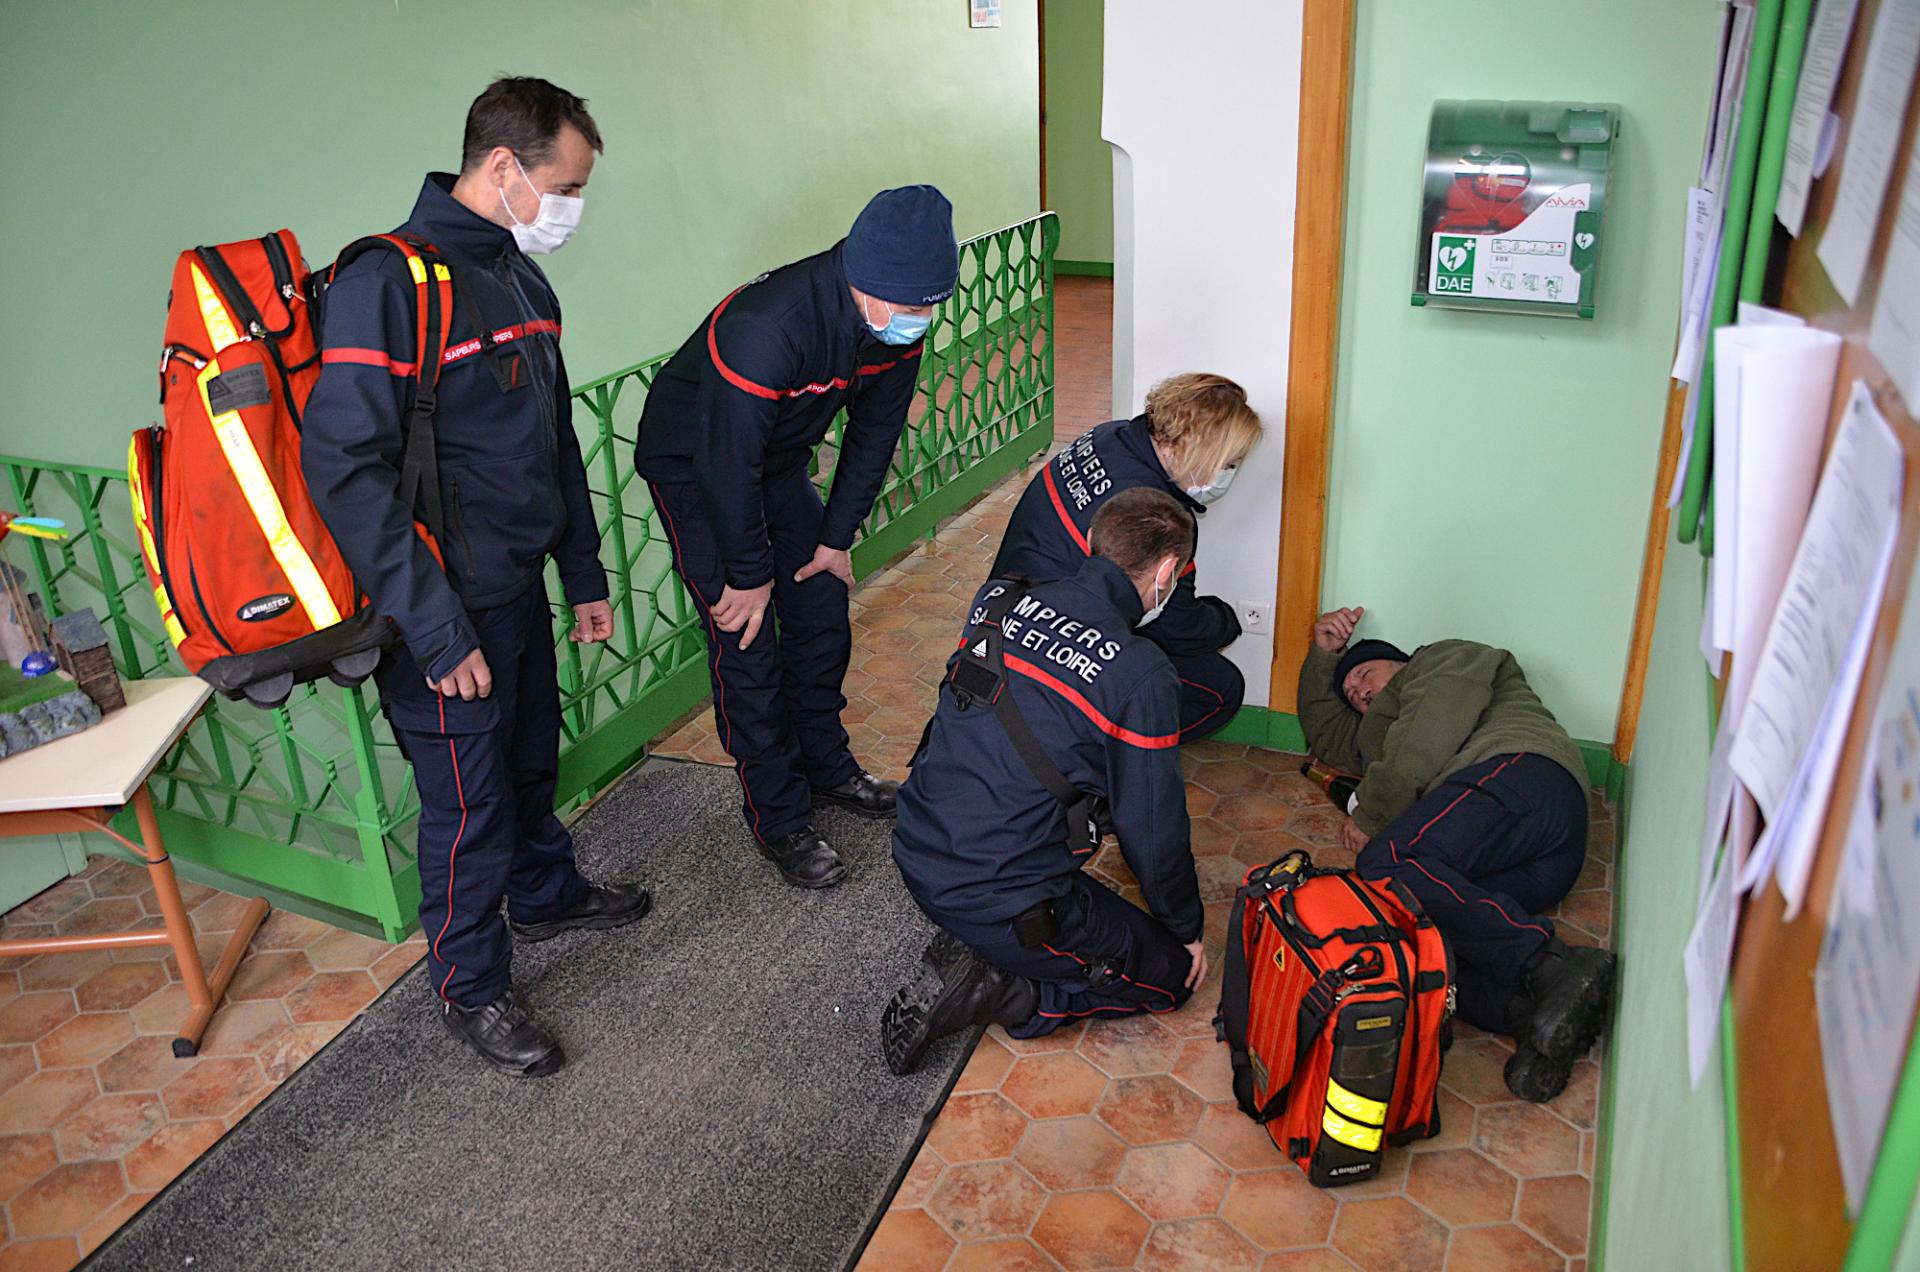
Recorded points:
(1047, 535)
(979, 837)
(511, 481)
(751, 393)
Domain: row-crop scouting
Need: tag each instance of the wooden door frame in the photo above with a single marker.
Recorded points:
(1319, 223)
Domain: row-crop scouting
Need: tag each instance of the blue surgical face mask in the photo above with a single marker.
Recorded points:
(1214, 489)
(901, 329)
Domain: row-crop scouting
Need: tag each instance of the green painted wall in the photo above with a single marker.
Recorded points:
(1079, 163)
(1667, 1204)
(740, 134)
(1491, 474)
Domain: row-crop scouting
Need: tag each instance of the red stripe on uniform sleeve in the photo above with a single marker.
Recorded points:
(727, 373)
(1053, 492)
(1087, 709)
(367, 358)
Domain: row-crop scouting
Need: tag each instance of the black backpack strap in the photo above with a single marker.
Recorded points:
(980, 674)
(1236, 990)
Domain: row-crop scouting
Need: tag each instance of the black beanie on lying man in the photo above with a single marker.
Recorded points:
(1361, 652)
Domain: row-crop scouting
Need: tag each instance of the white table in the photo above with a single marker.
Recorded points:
(78, 783)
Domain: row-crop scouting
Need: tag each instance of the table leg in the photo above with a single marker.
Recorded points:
(203, 994)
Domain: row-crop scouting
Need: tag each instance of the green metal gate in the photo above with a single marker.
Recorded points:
(313, 801)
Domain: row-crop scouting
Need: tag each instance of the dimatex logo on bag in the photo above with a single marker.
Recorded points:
(262, 608)
(1453, 256)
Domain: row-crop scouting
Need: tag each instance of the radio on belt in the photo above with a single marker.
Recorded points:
(1510, 214)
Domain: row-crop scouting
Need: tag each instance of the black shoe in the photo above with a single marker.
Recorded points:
(506, 1037)
(945, 1000)
(863, 793)
(1572, 988)
(943, 951)
(605, 906)
(1533, 1076)
(806, 860)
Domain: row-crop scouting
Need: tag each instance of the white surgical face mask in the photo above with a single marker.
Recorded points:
(1159, 603)
(552, 226)
(1214, 489)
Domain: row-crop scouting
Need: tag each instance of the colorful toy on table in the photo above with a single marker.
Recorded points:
(26, 617)
(35, 706)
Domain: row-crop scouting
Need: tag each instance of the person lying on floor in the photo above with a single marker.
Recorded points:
(1473, 796)
(1189, 443)
(1051, 699)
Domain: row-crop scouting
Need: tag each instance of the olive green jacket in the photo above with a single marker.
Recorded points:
(1455, 704)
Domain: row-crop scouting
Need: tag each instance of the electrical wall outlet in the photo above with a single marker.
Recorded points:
(1254, 618)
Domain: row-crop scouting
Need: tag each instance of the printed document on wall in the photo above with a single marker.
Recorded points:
(1819, 72)
(1895, 334)
(1836, 568)
(1868, 977)
(1873, 140)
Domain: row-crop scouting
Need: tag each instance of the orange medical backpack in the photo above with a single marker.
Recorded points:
(252, 590)
(1336, 1003)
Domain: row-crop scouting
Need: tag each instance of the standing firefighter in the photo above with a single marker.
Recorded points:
(472, 695)
(726, 439)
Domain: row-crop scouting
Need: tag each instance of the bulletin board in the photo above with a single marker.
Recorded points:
(1790, 1204)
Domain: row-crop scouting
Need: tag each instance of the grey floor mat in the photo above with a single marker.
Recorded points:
(725, 1104)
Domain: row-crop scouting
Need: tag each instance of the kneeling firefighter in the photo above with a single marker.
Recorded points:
(1054, 716)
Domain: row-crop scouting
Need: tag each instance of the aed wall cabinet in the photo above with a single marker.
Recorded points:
(1511, 207)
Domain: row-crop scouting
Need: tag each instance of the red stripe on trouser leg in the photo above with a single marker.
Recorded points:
(713, 633)
(453, 851)
(1394, 848)
(1122, 975)
(1217, 698)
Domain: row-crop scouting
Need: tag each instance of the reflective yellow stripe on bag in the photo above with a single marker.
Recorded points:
(175, 633)
(236, 444)
(1357, 1107)
(1352, 1134)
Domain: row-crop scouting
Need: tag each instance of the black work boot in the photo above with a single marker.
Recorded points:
(943, 950)
(1572, 988)
(604, 906)
(863, 793)
(1537, 1077)
(506, 1037)
(805, 859)
(946, 999)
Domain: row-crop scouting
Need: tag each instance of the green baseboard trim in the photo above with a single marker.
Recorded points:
(1087, 269)
(1268, 730)
(1619, 777)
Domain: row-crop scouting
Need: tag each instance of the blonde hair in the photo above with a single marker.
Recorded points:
(1204, 422)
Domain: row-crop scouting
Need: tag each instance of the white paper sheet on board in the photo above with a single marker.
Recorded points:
(1854, 514)
(1720, 788)
(1703, 220)
(1873, 138)
(1868, 977)
(1819, 71)
(1708, 956)
(1895, 334)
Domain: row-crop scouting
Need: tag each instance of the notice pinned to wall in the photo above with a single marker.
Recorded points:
(1873, 140)
(1812, 104)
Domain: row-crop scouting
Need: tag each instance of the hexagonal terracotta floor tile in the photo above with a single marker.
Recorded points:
(271, 974)
(1462, 1187)
(109, 1126)
(973, 1128)
(1557, 1208)
(1150, 1110)
(119, 986)
(242, 1029)
(1527, 1139)
(31, 1017)
(1500, 1249)
(63, 970)
(1009, 1254)
(212, 1088)
(145, 1064)
(84, 1040)
(1056, 1085)
(341, 951)
(1206, 1068)
(17, 1064)
(160, 1012)
(1090, 1230)
(1390, 1235)
(1277, 1209)
(1236, 1140)
(986, 1067)
(1475, 1070)
(170, 1150)
(907, 1241)
(1197, 1245)
(1129, 1046)
(331, 996)
(986, 1199)
(1069, 1153)
(918, 1183)
(63, 1200)
(23, 1159)
(45, 1100)
(1320, 1260)
(1173, 1181)
(109, 914)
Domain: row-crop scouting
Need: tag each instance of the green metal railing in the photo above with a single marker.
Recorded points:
(314, 802)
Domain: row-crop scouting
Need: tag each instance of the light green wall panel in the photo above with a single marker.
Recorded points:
(740, 134)
(1079, 163)
(1490, 473)
(1667, 1199)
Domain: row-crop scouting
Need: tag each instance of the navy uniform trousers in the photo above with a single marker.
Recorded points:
(1486, 852)
(485, 771)
(1211, 690)
(1105, 957)
(776, 703)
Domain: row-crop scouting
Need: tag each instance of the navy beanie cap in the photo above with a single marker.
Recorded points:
(1363, 651)
(902, 249)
